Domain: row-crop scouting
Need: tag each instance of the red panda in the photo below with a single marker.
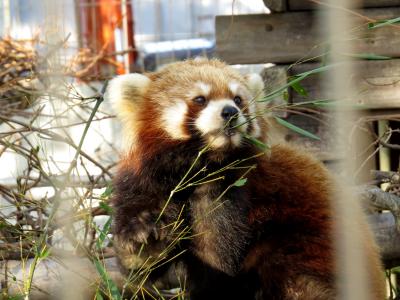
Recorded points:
(246, 223)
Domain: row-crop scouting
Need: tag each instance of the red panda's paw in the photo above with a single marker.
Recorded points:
(305, 287)
(142, 228)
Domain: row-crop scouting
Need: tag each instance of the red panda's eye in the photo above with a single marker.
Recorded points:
(237, 100)
(201, 100)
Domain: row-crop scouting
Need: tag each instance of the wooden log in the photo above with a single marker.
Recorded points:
(386, 236)
(289, 37)
(295, 5)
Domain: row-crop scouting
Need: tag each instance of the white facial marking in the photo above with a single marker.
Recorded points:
(236, 139)
(217, 141)
(209, 119)
(211, 122)
(234, 86)
(204, 88)
(256, 131)
(256, 85)
(174, 118)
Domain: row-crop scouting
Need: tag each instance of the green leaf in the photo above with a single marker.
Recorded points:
(256, 142)
(297, 78)
(334, 104)
(107, 193)
(98, 295)
(299, 89)
(107, 281)
(296, 129)
(285, 96)
(240, 182)
(395, 270)
(44, 253)
(3, 225)
(103, 233)
(383, 23)
(106, 207)
(368, 56)
(16, 297)
(315, 102)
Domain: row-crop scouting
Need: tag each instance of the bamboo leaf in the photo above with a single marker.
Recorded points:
(256, 142)
(240, 182)
(299, 89)
(368, 56)
(104, 205)
(297, 78)
(334, 104)
(44, 253)
(316, 102)
(103, 233)
(15, 297)
(107, 193)
(98, 295)
(108, 282)
(296, 129)
(285, 96)
(383, 23)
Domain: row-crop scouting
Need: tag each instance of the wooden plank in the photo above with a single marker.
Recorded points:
(369, 93)
(377, 84)
(289, 37)
(295, 5)
(264, 38)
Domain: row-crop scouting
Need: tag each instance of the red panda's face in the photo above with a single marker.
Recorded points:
(205, 99)
(218, 111)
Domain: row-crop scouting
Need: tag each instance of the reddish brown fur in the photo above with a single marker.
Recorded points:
(269, 239)
(292, 196)
(294, 191)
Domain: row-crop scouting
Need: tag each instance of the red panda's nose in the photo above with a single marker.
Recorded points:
(228, 112)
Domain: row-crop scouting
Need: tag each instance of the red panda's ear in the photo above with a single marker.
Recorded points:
(126, 90)
(271, 131)
(255, 84)
(125, 93)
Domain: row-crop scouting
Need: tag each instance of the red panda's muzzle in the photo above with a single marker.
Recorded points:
(229, 112)
(221, 124)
